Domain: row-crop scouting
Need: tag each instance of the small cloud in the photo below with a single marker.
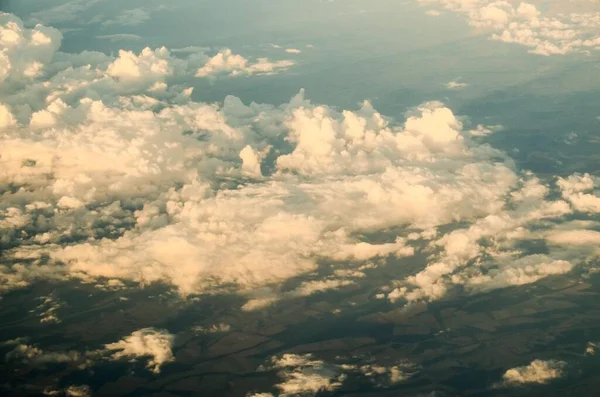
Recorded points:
(228, 62)
(592, 348)
(455, 85)
(293, 51)
(119, 37)
(156, 345)
(133, 17)
(212, 329)
(483, 130)
(539, 371)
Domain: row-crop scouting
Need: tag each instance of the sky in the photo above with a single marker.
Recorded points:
(235, 147)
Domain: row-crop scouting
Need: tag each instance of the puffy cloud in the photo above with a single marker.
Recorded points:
(71, 391)
(23, 52)
(119, 176)
(386, 376)
(312, 287)
(155, 345)
(578, 190)
(539, 371)
(293, 51)
(212, 329)
(303, 375)
(228, 62)
(592, 348)
(456, 85)
(30, 354)
(483, 130)
(524, 24)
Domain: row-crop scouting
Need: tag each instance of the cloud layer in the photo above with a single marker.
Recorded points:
(110, 173)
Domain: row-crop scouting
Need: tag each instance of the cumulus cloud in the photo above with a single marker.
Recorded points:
(154, 345)
(312, 287)
(293, 51)
(539, 371)
(456, 85)
(24, 52)
(305, 375)
(212, 329)
(592, 348)
(71, 391)
(30, 354)
(110, 173)
(236, 65)
(522, 23)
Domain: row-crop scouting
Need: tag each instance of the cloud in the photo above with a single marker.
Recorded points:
(212, 329)
(293, 51)
(30, 354)
(155, 345)
(543, 33)
(132, 17)
(24, 52)
(455, 85)
(539, 371)
(312, 287)
(112, 174)
(483, 130)
(592, 348)
(64, 12)
(235, 65)
(119, 37)
(578, 190)
(71, 391)
(433, 13)
(304, 375)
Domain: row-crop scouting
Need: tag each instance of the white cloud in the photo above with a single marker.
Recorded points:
(235, 65)
(483, 130)
(24, 52)
(30, 354)
(120, 176)
(303, 375)
(64, 12)
(578, 190)
(155, 345)
(456, 85)
(132, 17)
(592, 348)
(293, 51)
(542, 33)
(539, 371)
(212, 329)
(312, 287)
(71, 391)
(119, 37)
